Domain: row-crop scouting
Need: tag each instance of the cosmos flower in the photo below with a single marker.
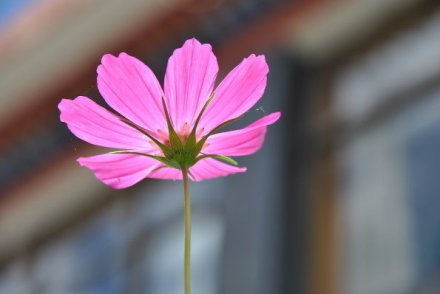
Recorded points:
(160, 132)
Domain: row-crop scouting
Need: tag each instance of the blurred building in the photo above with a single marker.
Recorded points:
(343, 197)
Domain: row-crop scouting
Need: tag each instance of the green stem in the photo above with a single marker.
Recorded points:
(187, 221)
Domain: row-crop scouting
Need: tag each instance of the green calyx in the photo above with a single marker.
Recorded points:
(178, 152)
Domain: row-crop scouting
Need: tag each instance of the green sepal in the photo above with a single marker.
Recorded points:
(164, 160)
(162, 146)
(192, 141)
(158, 168)
(202, 141)
(223, 125)
(191, 175)
(202, 111)
(222, 157)
(175, 142)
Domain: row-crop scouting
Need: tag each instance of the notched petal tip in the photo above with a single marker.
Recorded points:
(81, 161)
(258, 62)
(107, 58)
(191, 42)
(68, 106)
(63, 104)
(63, 107)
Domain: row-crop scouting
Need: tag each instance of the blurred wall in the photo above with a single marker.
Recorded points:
(341, 199)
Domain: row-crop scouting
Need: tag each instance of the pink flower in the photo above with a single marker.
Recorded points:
(159, 132)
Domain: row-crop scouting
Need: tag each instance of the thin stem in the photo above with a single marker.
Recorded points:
(187, 221)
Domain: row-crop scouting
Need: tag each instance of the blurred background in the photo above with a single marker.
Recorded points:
(344, 197)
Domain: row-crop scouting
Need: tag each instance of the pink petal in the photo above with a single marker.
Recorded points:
(240, 142)
(131, 88)
(166, 173)
(189, 82)
(119, 170)
(238, 92)
(209, 168)
(94, 124)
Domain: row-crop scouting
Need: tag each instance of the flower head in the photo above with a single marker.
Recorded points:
(160, 132)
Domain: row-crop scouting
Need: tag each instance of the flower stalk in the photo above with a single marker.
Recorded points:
(187, 225)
